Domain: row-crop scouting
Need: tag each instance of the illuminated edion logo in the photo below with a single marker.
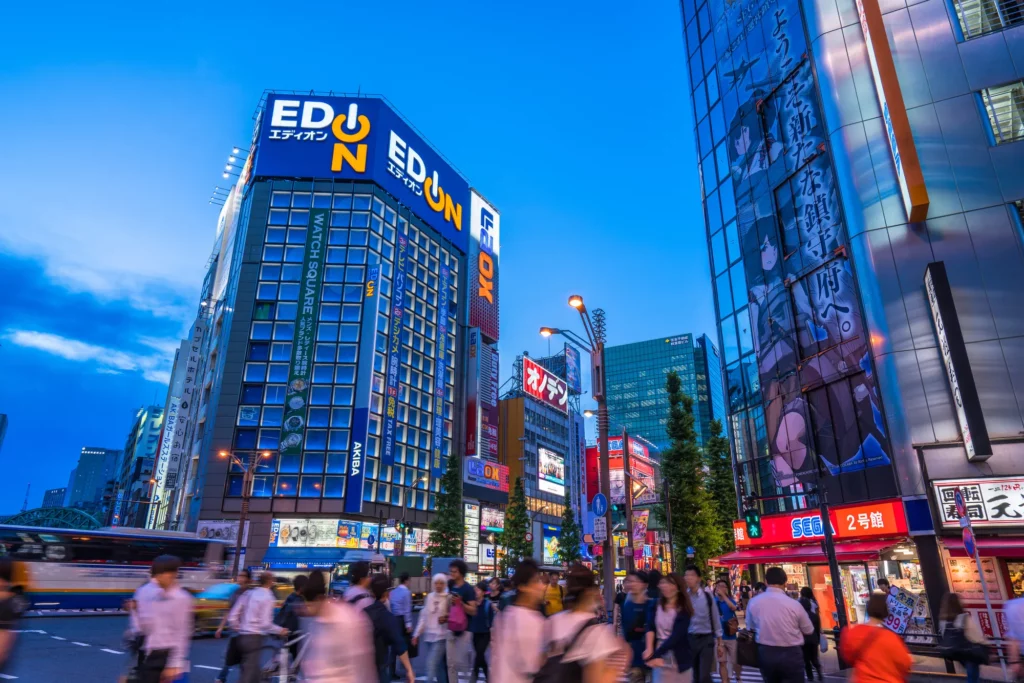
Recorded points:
(406, 164)
(348, 129)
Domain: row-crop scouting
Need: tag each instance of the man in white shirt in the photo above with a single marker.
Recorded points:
(705, 633)
(164, 618)
(780, 624)
(253, 618)
(518, 637)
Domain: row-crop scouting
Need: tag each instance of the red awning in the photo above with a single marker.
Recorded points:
(1010, 547)
(852, 551)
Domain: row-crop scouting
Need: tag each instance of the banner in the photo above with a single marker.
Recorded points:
(191, 355)
(297, 393)
(473, 394)
(394, 354)
(639, 532)
(364, 388)
(440, 370)
(573, 376)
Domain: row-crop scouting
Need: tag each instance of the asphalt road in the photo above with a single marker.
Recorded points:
(88, 649)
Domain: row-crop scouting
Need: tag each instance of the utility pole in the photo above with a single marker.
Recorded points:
(628, 482)
(248, 476)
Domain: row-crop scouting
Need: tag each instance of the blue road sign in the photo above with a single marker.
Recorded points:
(371, 540)
(600, 505)
(969, 545)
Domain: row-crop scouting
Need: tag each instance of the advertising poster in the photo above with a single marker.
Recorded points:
(487, 558)
(361, 412)
(551, 472)
(550, 541)
(297, 393)
(222, 530)
(440, 370)
(492, 519)
(348, 534)
(573, 376)
(545, 386)
(305, 533)
(901, 609)
(640, 518)
(393, 355)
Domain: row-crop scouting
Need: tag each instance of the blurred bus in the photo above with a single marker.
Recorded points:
(73, 569)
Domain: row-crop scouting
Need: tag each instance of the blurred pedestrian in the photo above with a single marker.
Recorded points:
(332, 623)
(744, 594)
(518, 635)
(653, 584)
(780, 624)
(431, 629)
(400, 602)
(462, 605)
(166, 622)
(553, 595)
(11, 607)
(387, 632)
(953, 615)
(292, 611)
(1014, 612)
(668, 639)
(480, 626)
(253, 618)
(812, 643)
(231, 655)
(705, 626)
(633, 619)
(759, 588)
(358, 592)
(876, 654)
(728, 666)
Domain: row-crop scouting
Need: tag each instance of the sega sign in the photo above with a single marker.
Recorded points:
(807, 527)
(362, 138)
(849, 522)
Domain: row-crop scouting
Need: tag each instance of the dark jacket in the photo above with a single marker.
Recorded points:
(678, 642)
(387, 636)
(288, 615)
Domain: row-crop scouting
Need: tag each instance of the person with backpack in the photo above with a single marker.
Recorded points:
(330, 623)
(961, 637)
(705, 626)
(387, 632)
(358, 592)
(876, 654)
(518, 637)
(728, 665)
(480, 626)
(431, 628)
(634, 616)
(462, 605)
(812, 642)
(579, 646)
(290, 612)
(668, 638)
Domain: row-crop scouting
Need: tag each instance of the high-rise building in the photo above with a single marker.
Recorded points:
(860, 164)
(635, 378)
(54, 498)
(350, 259)
(96, 466)
(134, 472)
(3, 429)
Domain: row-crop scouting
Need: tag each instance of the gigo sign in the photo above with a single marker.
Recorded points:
(362, 138)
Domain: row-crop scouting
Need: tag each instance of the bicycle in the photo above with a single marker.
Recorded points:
(280, 660)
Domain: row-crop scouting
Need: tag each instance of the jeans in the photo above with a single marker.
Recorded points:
(973, 670)
(781, 664)
(435, 657)
(460, 654)
(480, 643)
(702, 646)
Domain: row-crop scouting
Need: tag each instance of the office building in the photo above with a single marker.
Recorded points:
(338, 298)
(636, 375)
(134, 471)
(860, 166)
(3, 429)
(96, 466)
(54, 498)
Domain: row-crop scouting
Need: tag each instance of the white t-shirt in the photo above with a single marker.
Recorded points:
(597, 643)
(517, 648)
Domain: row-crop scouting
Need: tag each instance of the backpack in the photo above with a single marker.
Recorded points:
(554, 669)
(955, 645)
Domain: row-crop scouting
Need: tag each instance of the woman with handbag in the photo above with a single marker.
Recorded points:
(728, 666)
(812, 642)
(668, 642)
(876, 654)
(965, 643)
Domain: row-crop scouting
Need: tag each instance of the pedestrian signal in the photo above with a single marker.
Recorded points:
(753, 519)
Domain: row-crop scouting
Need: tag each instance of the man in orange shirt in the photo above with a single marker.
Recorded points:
(877, 654)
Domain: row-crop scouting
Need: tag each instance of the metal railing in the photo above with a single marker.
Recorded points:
(978, 17)
(1005, 107)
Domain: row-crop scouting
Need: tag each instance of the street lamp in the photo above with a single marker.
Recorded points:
(596, 338)
(249, 470)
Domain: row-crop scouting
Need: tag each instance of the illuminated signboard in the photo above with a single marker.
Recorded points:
(551, 474)
(487, 474)
(894, 112)
(361, 410)
(550, 538)
(863, 520)
(958, 365)
(573, 376)
(485, 232)
(361, 138)
(545, 386)
(492, 519)
(488, 558)
(471, 537)
(995, 502)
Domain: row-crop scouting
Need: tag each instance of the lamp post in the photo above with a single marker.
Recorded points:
(248, 472)
(596, 338)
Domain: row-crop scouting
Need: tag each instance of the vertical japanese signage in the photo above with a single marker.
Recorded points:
(572, 369)
(473, 394)
(958, 365)
(440, 371)
(545, 386)
(488, 397)
(297, 393)
(364, 391)
(485, 223)
(471, 534)
(394, 353)
(191, 355)
(894, 111)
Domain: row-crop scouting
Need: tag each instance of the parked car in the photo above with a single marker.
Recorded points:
(212, 604)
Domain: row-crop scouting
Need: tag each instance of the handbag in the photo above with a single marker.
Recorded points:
(731, 627)
(746, 648)
(458, 621)
(955, 645)
(822, 642)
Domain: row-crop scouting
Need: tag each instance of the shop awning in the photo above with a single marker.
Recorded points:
(1010, 548)
(853, 551)
(303, 558)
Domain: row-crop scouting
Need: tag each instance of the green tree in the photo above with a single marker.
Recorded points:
(517, 525)
(693, 510)
(448, 529)
(721, 484)
(569, 543)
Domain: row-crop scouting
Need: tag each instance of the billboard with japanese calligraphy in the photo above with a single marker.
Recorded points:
(810, 372)
(991, 503)
(362, 138)
(387, 457)
(485, 233)
(546, 387)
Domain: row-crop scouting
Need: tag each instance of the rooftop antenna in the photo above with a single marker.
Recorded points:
(24, 506)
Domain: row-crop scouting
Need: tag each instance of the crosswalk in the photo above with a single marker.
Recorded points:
(748, 676)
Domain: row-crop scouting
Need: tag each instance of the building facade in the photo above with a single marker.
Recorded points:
(134, 472)
(336, 355)
(96, 466)
(636, 372)
(3, 429)
(54, 498)
(861, 185)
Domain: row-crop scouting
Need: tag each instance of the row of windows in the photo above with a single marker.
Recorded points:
(291, 486)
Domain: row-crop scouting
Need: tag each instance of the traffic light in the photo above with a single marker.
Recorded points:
(400, 526)
(752, 516)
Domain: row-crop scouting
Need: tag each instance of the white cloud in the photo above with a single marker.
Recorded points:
(155, 367)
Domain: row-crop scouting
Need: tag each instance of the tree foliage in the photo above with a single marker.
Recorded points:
(721, 484)
(448, 528)
(517, 525)
(693, 511)
(569, 543)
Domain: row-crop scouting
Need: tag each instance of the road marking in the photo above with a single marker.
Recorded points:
(75, 642)
(113, 652)
(58, 638)
(8, 677)
(211, 668)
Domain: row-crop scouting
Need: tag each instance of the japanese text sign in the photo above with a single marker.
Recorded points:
(849, 522)
(996, 502)
(545, 386)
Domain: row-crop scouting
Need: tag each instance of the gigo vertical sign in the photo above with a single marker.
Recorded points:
(894, 111)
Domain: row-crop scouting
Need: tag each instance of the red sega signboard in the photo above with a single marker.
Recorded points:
(849, 522)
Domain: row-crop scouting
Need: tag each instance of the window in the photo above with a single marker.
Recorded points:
(1005, 108)
(978, 17)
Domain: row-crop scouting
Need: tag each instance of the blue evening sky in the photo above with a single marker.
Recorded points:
(116, 118)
